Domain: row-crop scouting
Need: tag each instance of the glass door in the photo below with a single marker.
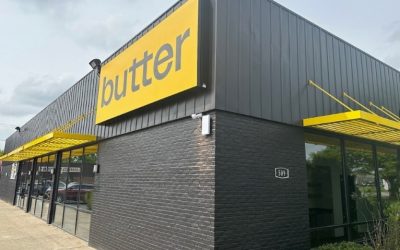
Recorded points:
(75, 191)
(42, 185)
(24, 182)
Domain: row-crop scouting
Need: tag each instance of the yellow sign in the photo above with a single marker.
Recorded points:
(160, 64)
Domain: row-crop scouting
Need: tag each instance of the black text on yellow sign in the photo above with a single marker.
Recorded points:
(160, 64)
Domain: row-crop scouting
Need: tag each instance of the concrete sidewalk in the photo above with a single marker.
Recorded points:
(21, 231)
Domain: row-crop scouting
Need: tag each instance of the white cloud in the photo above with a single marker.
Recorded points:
(33, 94)
(49, 44)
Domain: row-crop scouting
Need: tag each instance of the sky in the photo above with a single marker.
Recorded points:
(45, 45)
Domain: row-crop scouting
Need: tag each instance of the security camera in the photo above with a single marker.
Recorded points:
(18, 129)
(197, 116)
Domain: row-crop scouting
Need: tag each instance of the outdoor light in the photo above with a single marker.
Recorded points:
(196, 116)
(95, 63)
(206, 125)
(96, 169)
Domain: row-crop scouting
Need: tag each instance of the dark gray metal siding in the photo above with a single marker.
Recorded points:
(266, 54)
(82, 97)
(7, 186)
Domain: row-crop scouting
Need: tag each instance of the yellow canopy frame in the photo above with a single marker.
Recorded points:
(360, 124)
(47, 144)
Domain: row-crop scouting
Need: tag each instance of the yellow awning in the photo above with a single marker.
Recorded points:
(360, 124)
(47, 144)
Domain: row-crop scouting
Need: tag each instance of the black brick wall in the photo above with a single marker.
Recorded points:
(155, 190)
(253, 209)
(7, 186)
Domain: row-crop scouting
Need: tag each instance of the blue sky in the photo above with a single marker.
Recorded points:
(46, 45)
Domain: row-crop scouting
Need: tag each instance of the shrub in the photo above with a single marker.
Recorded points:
(89, 199)
(344, 246)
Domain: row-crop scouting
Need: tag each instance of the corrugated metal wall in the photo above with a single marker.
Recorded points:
(266, 55)
(82, 97)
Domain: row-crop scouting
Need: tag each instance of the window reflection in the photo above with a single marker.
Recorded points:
(47, 177)
(42, 184)
(87, 186)
(24, 182)
(389, 179)
(72, 196)
(336, 215)
(62, 181)
(325, 187)
(75, 191)
(361, 179)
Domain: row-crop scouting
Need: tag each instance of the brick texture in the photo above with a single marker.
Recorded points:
(253, 209)
(155, 189)
(7, 186)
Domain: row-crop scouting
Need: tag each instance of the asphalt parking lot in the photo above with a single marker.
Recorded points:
(21, 231)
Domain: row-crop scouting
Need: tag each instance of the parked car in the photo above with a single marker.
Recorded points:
(61, 185)
(74, 192)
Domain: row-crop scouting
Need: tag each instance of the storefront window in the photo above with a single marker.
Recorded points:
(86, 192)
(42, 186)
(75, 191)
(74, 178)
(47, 178)
(343, 199)
(325, 188)
(361, 180)
(62, 183)
(389, 180)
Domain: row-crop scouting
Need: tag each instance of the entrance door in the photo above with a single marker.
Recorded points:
(73, 206)
(42, 186)
(24, 182)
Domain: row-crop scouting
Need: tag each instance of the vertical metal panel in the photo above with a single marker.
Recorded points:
(232, 47)
(255, 59)
(290, 46)
(337, 74)
(152, 117)
(285, 69)
(349, 71)
(173, 112)
(343, 69)
(309, 51)
(165, 113)
(276, 63)
(244, 37)
(294, 68)
(266, 79)
(222, 30)
(303, 89)
(324, 73)
(316, 42)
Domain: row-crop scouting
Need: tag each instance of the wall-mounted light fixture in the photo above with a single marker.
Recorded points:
(19, 129)
(205, 123)
(96, 168)
(95, 63)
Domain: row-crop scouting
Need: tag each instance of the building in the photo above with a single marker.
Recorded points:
(211, 129)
